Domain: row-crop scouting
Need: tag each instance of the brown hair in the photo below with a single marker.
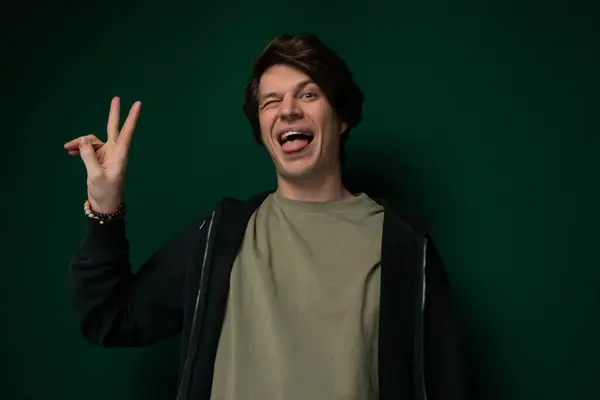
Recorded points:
(308, 54)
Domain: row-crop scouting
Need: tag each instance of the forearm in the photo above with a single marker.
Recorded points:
(100, 281)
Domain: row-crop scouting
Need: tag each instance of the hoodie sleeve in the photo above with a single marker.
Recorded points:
(446, 368)
(117, 307)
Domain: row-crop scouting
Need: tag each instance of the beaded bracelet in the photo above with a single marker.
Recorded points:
(119, 212)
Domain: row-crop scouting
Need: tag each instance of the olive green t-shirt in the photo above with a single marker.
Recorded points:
(302, 316)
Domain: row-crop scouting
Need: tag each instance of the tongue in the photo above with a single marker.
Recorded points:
(292, 146)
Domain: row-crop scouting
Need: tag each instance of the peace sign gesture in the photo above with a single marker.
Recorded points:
(106, 163)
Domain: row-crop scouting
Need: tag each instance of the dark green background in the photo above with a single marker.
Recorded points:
(483, 118)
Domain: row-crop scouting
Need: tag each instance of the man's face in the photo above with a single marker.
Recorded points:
(298, 126)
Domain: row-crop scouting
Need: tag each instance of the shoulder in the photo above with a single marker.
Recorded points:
(397, 215)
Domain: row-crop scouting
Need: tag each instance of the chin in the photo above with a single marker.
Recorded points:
(297, 169)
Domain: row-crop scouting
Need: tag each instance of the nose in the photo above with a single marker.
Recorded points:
(290, 110)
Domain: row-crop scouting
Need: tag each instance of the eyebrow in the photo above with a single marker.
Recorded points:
(299, 86)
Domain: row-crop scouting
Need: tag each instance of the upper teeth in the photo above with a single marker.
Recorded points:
(286, 135)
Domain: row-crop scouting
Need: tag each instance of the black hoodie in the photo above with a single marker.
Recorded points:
(183, 288)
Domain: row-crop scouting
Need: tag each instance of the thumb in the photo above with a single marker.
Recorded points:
(88, 155)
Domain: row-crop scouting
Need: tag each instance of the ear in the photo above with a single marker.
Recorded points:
(344, 127)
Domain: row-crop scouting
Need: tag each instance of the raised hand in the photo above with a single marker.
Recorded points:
(106, 162)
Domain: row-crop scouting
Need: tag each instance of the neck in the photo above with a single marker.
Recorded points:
(315, 189)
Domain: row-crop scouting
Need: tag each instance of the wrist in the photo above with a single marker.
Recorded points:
(103, 216)
(105, 207)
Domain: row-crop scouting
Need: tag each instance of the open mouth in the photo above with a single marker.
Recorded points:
(295, 141)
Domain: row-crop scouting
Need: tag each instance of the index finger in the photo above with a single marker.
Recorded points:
(112, 127)
(129, 125)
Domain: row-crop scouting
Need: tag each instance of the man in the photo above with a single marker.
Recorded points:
(305, 292)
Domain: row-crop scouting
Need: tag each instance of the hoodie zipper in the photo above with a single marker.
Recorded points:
(187, 364)
(422, 317)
